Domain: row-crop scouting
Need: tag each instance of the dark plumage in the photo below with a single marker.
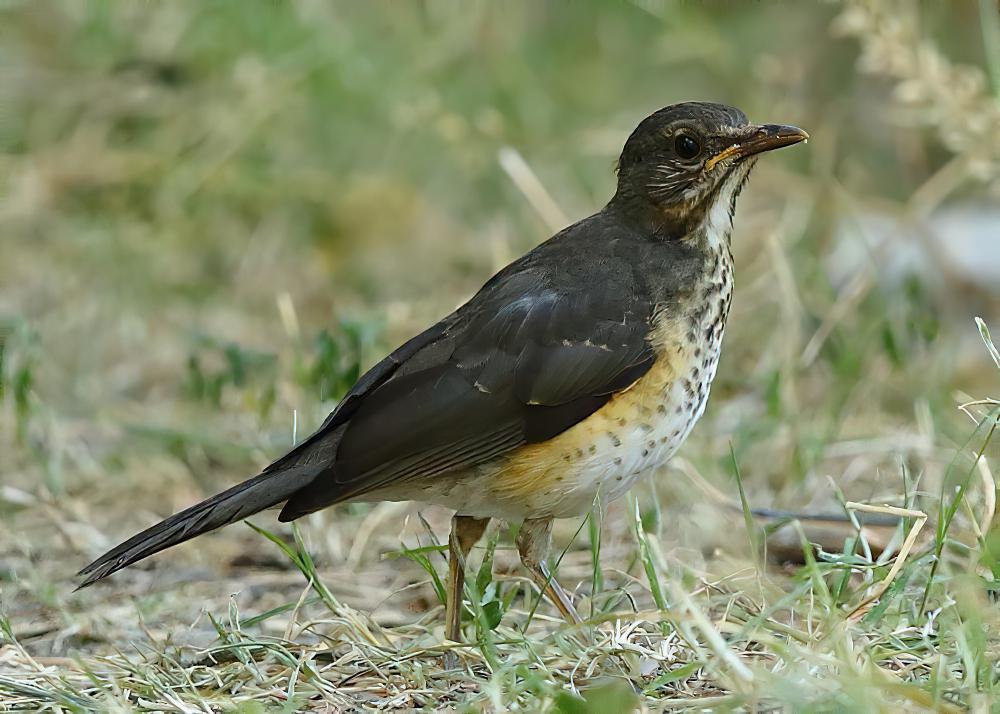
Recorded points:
(476, 411)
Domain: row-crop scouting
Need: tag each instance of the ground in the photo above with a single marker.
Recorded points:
(215, 215)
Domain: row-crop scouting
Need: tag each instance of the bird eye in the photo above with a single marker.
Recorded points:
(686, 146)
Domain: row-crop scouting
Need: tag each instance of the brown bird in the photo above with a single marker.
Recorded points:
(574, 370)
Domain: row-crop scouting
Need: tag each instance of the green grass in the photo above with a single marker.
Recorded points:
(214, 216)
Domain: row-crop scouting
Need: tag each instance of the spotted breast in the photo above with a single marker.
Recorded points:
(637, 431)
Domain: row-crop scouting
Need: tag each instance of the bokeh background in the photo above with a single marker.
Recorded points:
(215, 215)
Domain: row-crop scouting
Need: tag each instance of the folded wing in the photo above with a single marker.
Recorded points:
(519, 364)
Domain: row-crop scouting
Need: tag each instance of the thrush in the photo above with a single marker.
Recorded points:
(572, 372)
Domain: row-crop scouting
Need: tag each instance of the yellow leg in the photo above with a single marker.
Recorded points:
(465, 531)
(533, 542)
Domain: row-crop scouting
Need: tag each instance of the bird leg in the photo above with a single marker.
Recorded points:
(465, 531)
(533, 540)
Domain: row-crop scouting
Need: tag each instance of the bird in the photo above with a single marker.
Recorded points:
(574, 371)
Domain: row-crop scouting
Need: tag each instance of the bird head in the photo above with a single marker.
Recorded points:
(684, 159)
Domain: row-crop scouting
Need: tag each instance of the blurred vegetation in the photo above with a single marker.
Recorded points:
(215, 215)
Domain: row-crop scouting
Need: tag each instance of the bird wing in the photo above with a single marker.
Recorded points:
(526, 359)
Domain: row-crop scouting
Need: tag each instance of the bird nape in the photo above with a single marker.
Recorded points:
(575, 370)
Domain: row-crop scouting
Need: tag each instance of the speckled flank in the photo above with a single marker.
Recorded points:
(639, 427)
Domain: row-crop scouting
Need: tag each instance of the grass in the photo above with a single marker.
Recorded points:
(214, 218)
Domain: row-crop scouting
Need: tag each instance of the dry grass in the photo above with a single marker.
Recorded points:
(213, 217)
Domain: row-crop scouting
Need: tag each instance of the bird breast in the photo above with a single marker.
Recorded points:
(636, 431)
(640, 428)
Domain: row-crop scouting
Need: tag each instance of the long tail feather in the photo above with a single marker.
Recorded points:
(241, 501)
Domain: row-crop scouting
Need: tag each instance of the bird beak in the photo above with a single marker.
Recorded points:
(759, 139)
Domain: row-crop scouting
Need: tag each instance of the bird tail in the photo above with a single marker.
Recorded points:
(241, 501)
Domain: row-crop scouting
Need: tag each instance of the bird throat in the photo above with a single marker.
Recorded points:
(720, 209)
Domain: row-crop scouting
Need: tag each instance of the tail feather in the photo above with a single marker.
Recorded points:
(241, 501)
